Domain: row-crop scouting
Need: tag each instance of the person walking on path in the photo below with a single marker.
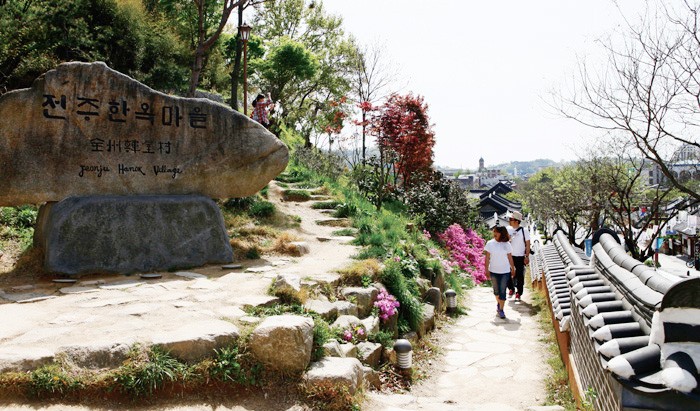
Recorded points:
(520, 241)
(261, 105)
(499, 262)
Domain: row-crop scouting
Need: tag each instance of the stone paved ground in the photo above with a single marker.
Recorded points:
(488, 363)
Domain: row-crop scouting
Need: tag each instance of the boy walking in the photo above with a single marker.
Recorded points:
(520, 242)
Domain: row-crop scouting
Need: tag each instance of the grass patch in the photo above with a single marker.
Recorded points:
(557, 382)
(147, 370)
(345, 232)
(326, 205)
(361, 272)
(262, 209)
(296, 195)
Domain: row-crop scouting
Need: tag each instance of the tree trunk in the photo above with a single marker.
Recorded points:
(364, 127)
(196, 71)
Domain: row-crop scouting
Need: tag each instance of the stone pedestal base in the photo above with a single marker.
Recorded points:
(126, 234)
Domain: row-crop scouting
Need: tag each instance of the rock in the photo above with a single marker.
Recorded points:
(328, 311)
(329, 374)
(197, 340)
(348, 350)
(428, 322)
(364, 298)
(300, 248)
(439, 281)
(369, 353)
(323, 239)
(95, 356)
(423, 285)
(24, 358)
(434, 298)
(283, 342)
(371, 324)
(286, 284)
(371, 378)
(82, 235)
(345, 322)
(346, 308)
(389, 355)
(191, 276)
(334, 222)
(412, 337)
(332, 349)
(84, 129)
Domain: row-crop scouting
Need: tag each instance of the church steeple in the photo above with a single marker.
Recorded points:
(481, 164)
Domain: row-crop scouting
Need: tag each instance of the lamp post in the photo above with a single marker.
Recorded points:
(244, 31)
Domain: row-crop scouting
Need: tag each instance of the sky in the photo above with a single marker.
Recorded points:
(487, 69)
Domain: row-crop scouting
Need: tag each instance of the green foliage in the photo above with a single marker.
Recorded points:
(330, 167)
(262, 209)
(147, 371)
(439, 203)
(322, 334)
(372, 180)
(385, 338)
(232, 365)
(345, 210)
(19, 217)
(277, 309)
(349, 232)
(40, 34)
(253, 253)
(52, 380)
(326, 205)
(239, 204)
(411, 310)
(287, 61)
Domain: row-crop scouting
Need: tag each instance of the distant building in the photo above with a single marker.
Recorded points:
(684, 166)
(493, 206)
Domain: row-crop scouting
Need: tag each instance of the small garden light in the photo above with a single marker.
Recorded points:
(404, 353)
(451, 297)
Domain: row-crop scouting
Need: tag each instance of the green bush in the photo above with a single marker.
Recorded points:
(19, 217)
(411, 310)
(262, 209)
(322, 334)
(147, 371)
(385, 338)
(239, 204)
(345, 210)
(439, 203)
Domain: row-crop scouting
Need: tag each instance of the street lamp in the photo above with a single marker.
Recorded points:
(244, 31)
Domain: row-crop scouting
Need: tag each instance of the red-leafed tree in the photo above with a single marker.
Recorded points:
(404, 130)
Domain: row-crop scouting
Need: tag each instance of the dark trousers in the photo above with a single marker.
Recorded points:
(519, 281)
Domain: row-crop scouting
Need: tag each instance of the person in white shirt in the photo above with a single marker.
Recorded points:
(499, 262)
(520, 241)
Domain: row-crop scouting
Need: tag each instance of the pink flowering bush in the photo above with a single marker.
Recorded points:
(466, 251)
(386, 304)
(354, 335)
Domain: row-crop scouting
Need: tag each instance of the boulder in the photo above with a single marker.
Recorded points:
(327, 310)
(197, 340)
(152, 233)
(369, 353)
(332, 349)
(434, 298)
(300, 248)
(348, 350)
(423, 285)
(283, 342)
(330, 374)
(84, 129)
(428, 322)
(391, 325)
(364, 298)
(286, 284)
(346, 308)
(345, 322)
(372, 378)
(95, 356)
(371, 324)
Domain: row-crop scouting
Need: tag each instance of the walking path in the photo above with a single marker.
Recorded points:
(488, 363)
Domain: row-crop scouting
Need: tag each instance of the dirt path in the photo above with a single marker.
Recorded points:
(487, 363)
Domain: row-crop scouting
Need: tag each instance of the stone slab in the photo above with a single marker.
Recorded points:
(84, 129)
(119, 234)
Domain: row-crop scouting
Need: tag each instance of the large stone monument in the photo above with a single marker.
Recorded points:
(129, 153)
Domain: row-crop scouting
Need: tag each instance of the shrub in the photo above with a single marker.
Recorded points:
(439, 203)
(19, 217)
(225, 366)
(330, 166)
(345, 210)
(466, 251)
(386, 305)
(385, 338)
(322, 334)
(345, 232)
(239, 204)
(411, 310)
(261, 209)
